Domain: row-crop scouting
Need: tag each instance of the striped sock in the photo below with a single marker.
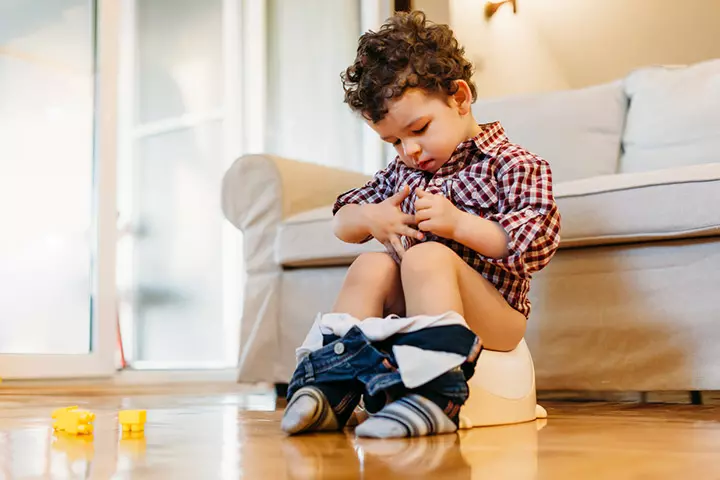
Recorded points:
(410, 416)
(308, 411)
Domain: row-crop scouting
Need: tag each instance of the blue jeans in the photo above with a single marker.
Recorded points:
(346, 368)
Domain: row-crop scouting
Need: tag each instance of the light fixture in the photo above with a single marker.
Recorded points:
(492, 7)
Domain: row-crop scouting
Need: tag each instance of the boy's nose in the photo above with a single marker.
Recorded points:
(412, 149)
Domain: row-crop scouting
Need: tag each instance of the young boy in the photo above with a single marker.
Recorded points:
(465, 215)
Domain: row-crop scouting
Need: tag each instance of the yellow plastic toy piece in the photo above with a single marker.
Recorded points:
(75, 422)
(132, 420)
(60, 411)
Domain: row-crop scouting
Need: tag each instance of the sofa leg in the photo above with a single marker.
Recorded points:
(696, 397)
(281, 389)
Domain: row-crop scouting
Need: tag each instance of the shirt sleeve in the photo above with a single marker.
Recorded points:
(380, 187)
(528, 214)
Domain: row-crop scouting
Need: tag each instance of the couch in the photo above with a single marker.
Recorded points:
(627, 303)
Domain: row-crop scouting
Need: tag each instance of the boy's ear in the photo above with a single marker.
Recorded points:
(462, 97)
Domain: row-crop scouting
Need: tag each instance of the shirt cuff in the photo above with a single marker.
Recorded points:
(521, 228)
(519, 239)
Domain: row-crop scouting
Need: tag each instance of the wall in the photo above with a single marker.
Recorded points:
(558, 44)
(436, 10)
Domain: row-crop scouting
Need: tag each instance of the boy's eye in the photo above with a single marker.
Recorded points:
(421, 130)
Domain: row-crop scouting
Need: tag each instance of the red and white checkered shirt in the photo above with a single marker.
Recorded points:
(490, 177)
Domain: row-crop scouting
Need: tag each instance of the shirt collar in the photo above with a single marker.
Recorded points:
(491, 134)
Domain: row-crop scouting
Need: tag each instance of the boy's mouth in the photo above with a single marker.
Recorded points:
(425, 164)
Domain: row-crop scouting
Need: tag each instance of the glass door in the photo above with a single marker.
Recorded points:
(57, 188)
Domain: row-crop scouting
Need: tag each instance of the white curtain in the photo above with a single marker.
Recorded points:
(310, 43)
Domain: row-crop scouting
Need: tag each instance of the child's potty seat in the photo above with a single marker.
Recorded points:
(502, 390)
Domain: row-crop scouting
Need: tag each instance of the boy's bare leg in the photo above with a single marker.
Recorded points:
(372, 288)
(435, 280)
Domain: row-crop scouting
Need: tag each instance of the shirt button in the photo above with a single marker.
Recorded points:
(528, 213)
(339, 348)
(476, 195)
(437, 182)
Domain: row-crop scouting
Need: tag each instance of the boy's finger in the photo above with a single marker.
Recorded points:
(421, 193)
(422, 203)
(412, 233)
(397, 245)
(401, 195)
(425, 226)
(408, 219)
(422, 215)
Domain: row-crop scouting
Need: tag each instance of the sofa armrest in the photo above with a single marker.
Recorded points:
(258, 192)
(291, 185)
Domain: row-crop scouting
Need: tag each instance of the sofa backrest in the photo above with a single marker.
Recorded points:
(674, 117)
(577, 131)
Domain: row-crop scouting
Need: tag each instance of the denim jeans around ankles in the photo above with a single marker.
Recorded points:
(350, 358)
(344, 368)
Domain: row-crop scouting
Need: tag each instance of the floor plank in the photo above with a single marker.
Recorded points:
(235, 434)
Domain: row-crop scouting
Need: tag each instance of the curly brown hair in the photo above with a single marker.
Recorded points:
(407, 52)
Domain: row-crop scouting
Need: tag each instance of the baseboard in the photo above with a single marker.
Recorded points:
(139, 382)
(710, 397)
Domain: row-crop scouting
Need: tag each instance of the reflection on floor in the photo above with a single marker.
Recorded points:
(236, 435)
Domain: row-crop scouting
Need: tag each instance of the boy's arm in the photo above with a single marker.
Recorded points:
(484, 236)
(349, 212)
(438, 215)
(373, 210)
(385, 221)
(528, 215)
(350, 223)
(522, 237)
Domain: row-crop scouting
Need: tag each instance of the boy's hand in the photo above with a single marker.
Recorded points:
(436, 214)
(387, 222)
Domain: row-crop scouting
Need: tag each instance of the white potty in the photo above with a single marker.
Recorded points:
(502, 390)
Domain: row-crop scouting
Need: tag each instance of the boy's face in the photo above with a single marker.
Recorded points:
(426, 129)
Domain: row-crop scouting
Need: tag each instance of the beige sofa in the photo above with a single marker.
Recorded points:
(630, 302)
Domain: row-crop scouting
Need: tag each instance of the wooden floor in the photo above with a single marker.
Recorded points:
(235, 434)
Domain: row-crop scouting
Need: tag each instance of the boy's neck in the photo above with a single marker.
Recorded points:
(473, 128)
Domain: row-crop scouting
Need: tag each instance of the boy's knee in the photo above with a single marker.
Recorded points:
(373, 268)
(425, 257)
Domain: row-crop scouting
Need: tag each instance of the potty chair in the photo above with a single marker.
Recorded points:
(502, 390)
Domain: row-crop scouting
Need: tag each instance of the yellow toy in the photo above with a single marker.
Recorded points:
(60, 411)
(74, 421)
(132, 420)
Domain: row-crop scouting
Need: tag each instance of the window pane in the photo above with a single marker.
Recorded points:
(178, 250)
(179, 57)
(46, 169)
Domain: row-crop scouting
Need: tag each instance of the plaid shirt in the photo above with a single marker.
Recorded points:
(490, 177)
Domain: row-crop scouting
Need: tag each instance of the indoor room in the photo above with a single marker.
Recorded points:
(360, 239)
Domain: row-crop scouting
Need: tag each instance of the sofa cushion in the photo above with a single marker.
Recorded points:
(577, 131)
(673, 118)
(632, 207)
(621, 208)
(307, 239)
